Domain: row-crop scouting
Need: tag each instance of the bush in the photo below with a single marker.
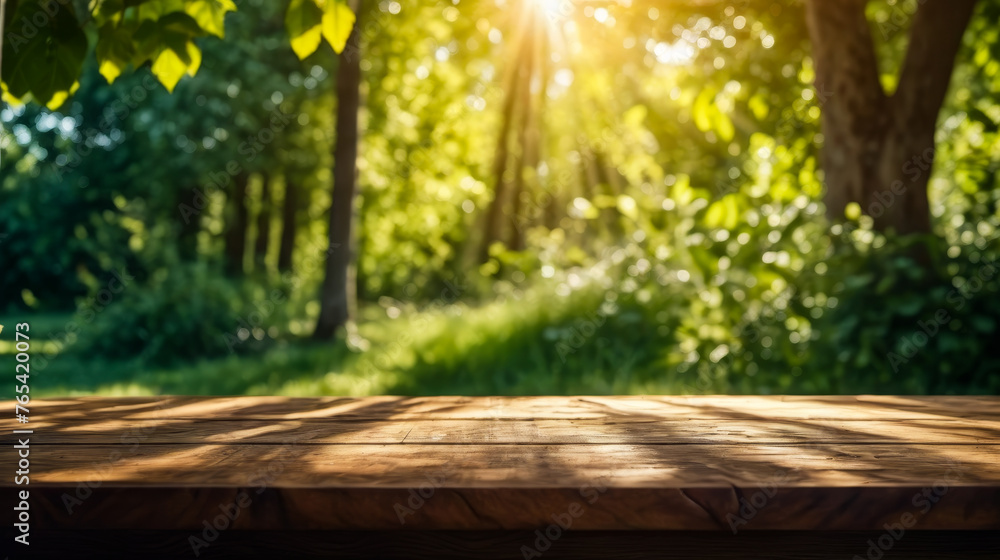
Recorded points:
(913, 328)
(178, 314)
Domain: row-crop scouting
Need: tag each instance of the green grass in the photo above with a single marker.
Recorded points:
(517, 348)
(539, 343)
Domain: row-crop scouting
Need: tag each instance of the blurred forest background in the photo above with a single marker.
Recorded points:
(552, 196)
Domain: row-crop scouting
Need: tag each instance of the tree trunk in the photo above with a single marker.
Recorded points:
(878, 149)
(289, 211)
(492, 230)
(334, 300)
(555, 183)
(611, 187)
(239, 219)
(525, 158)
(263, 221)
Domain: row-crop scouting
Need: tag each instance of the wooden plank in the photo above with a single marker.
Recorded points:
(515, 431)
(519, 466)
(453, 508)
(664, 463)
(865, 407)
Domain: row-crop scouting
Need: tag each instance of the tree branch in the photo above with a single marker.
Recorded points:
(935, 38)
(843, 48)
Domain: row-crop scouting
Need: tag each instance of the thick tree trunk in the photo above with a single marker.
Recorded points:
(289, 212)
(334, 300)
(263, 221)
(878, 149)
(239, 219)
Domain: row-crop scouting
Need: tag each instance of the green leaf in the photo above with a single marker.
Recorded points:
(338, 20)
(48, 65)
(303, 24)
(211, 14)
(110, 70)
(156, 9)
(181, 24)
(194, 54)
(169, 66)
(114, 50)
(147, 40)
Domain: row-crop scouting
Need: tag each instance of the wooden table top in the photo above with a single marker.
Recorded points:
(631, 462)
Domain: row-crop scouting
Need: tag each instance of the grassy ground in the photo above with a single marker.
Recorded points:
(538, 344)
(516, 348)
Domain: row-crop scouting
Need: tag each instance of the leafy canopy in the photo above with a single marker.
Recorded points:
(46, 42)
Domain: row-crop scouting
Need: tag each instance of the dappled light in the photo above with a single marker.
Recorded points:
(503, 197)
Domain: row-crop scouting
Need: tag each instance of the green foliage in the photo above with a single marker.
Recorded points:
(308, 21)
(921, 329)
(180, 314)
(46, 42)
(47, 63)
(673, 236)
(63, 215)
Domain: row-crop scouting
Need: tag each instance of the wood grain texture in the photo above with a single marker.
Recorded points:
(497, 463)
(863, 407)
(519, 466)
(518, 431)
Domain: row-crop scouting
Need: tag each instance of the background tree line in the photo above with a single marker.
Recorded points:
(760, 194)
